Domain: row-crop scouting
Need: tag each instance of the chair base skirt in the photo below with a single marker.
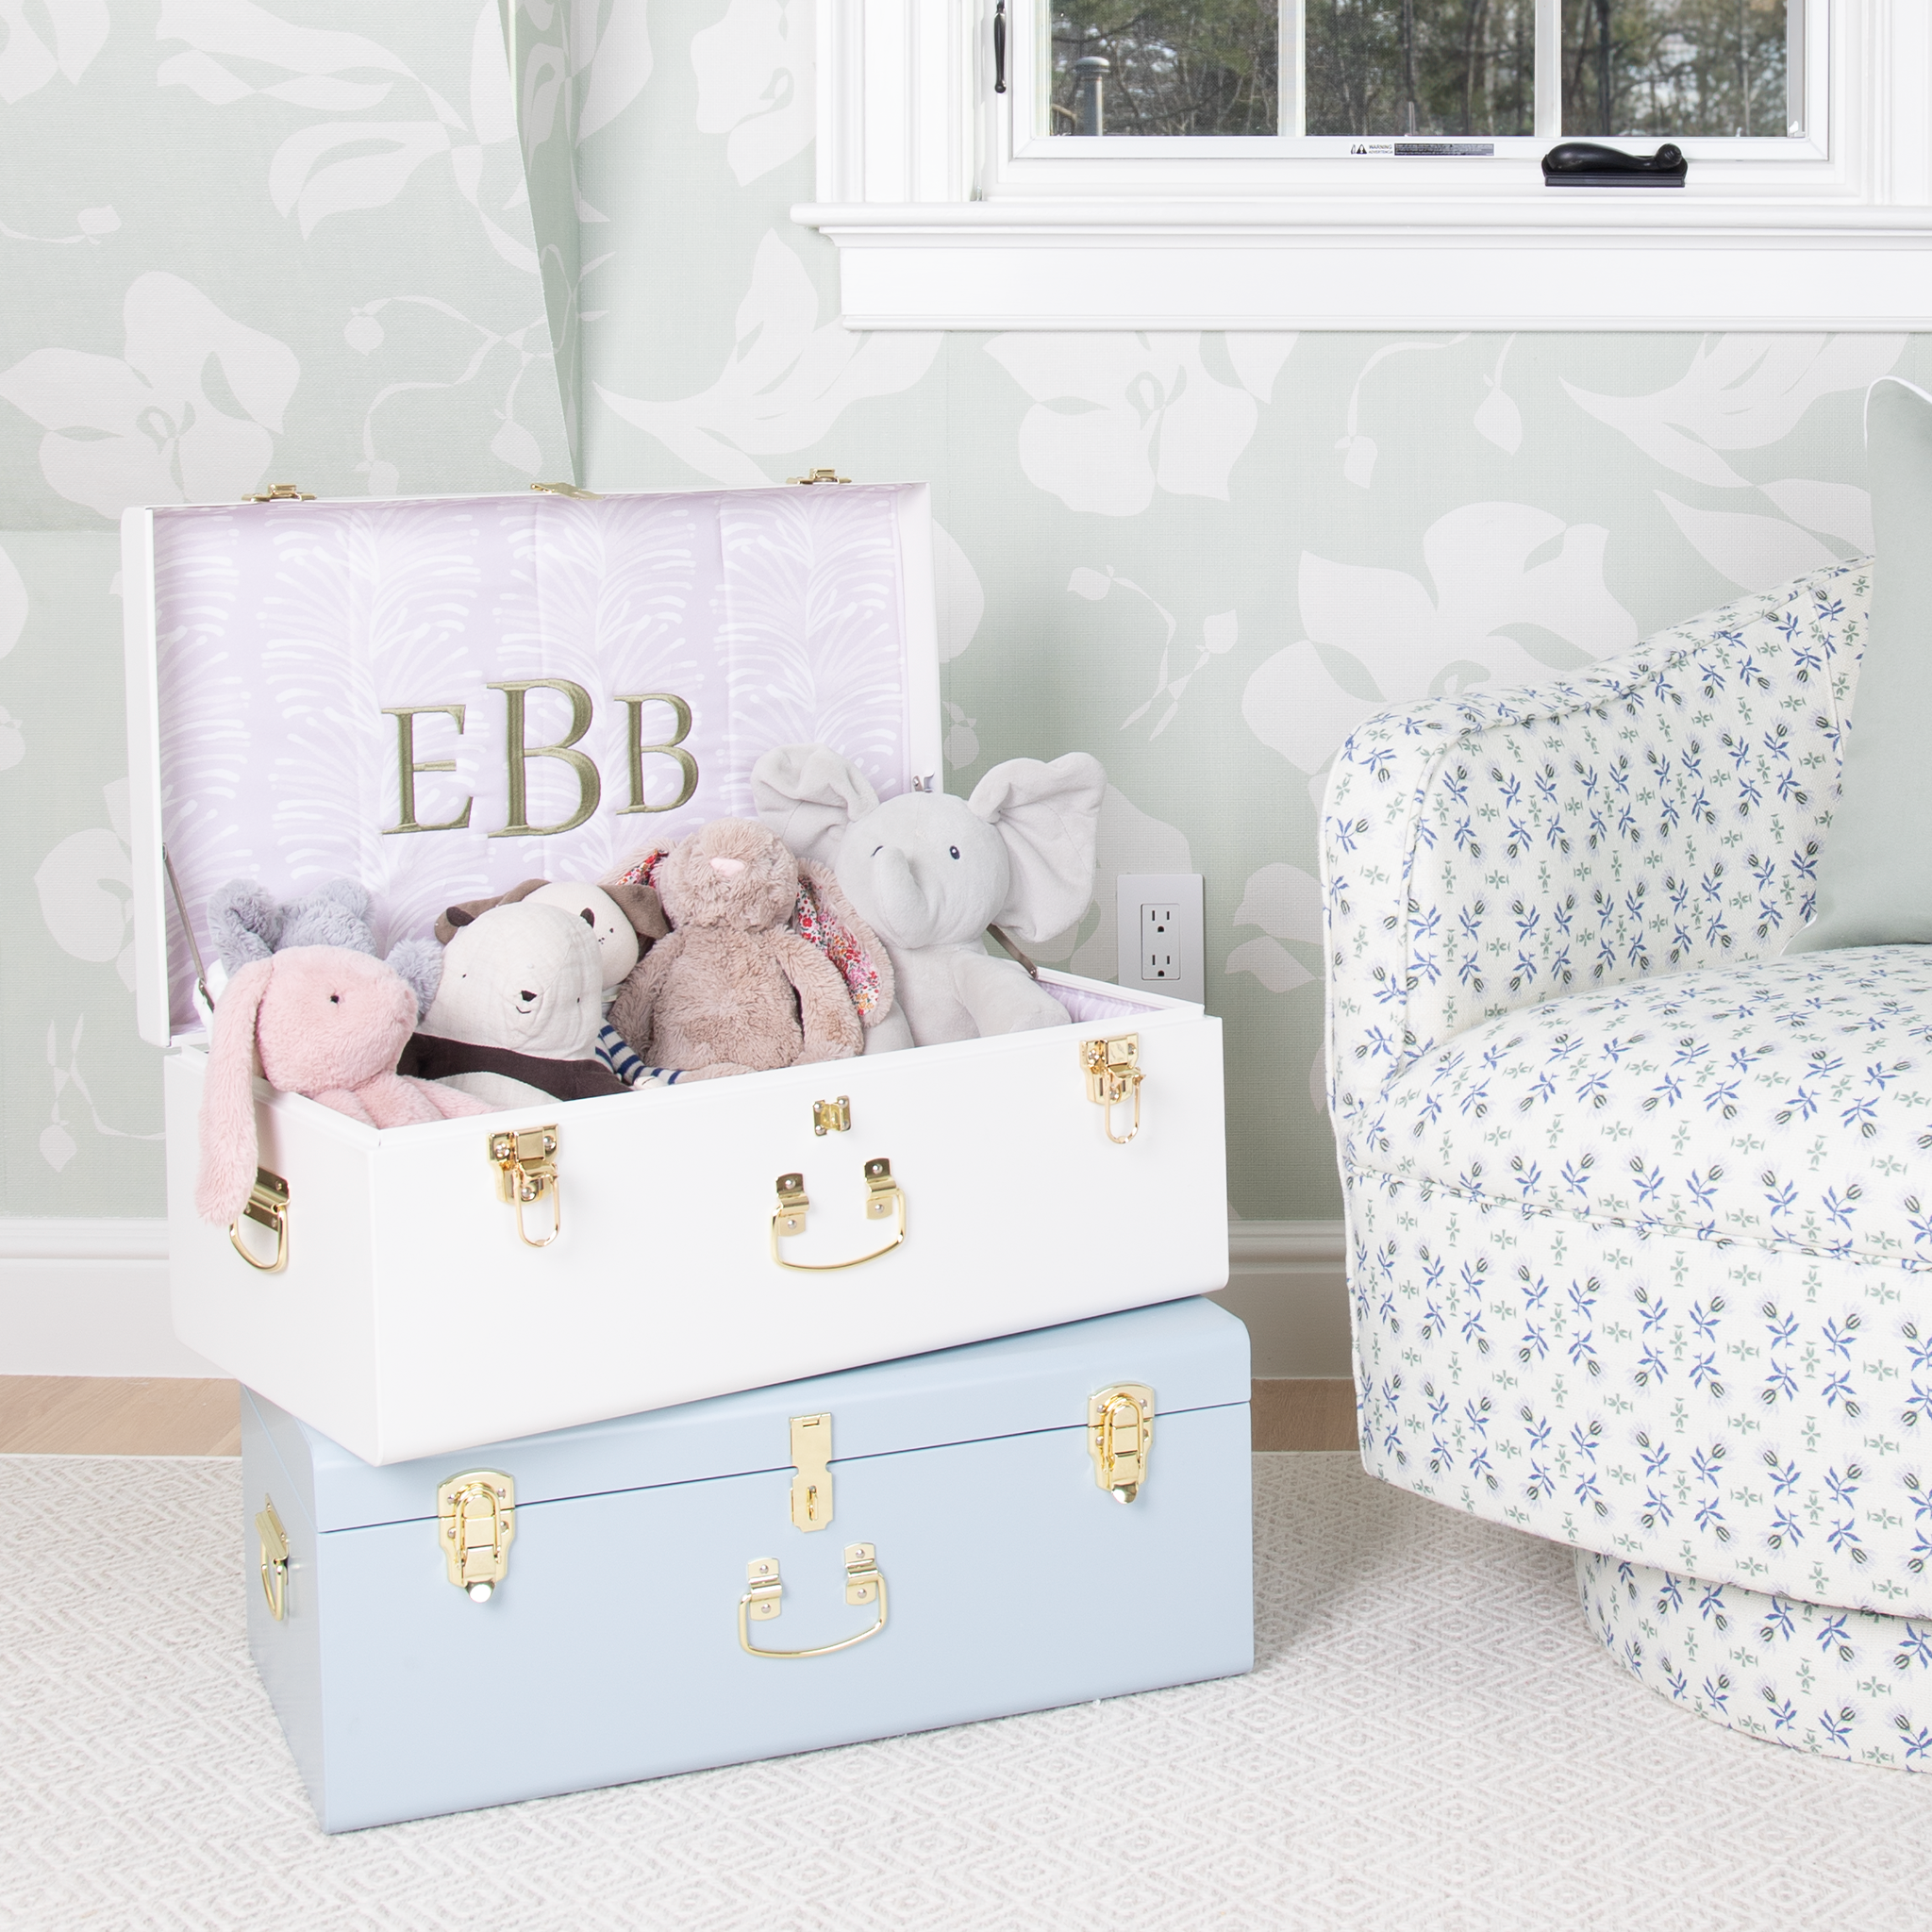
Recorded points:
(1836, 1683)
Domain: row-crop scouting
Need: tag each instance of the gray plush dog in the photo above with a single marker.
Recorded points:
(247, 921)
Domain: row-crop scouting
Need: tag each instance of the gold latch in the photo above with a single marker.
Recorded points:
(831, 1116)
(477, 1518)
(1120, 1436)
(1113, 1074)
(764, 1588)
(820, 476)
(274, 1559)
(267, 1205)
(526, 1172)
(567, 489)
(811, 1479)
(282, 492)
(885, 1199)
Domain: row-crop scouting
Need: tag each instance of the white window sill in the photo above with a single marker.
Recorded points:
(1624, 262)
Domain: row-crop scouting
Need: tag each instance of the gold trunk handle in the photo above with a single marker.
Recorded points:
(864, 1584)
(274, 1559)
(885, 1199)
(268, 1206)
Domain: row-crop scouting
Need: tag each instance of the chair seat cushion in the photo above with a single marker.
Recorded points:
(1787, 1104)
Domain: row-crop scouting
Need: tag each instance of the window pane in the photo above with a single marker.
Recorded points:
(1658, 67)
(1388, 67)
(1170, 67)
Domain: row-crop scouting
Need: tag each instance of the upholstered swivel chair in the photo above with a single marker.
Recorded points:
(1640, 1216)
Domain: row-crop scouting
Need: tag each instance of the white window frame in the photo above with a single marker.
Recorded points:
(950, 212)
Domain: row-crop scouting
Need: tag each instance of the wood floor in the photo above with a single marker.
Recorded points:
(99, 1415)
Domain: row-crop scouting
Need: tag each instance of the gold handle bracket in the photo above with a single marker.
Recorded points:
(1120, 1437)
(525, 1162)
(476, 1520)
(885, 1199)
(1113, 1077)
(268, 1206)
(274, 1559)
(865, 1584)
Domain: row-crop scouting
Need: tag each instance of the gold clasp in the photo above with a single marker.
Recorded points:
(885, 1199)
(525, 1162)
(1113, 1074)
(864, 1584)
(567, 489)
(481, 1500)
(831, 1116)
(1120, 1436)
(811, 1477)
(274, 1559)
(282, 492)
(268, 1206)
(818, 476)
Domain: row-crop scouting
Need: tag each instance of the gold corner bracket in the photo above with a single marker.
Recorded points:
(476, 1519)
(885, 1199)
(1113, 1077)
(865, 1583)
(525, 1163)
(267, 1205)
(1120, 1438)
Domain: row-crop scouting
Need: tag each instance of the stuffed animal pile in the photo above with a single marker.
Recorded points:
(834, 924)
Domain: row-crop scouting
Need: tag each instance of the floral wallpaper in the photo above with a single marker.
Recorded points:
(293, 240)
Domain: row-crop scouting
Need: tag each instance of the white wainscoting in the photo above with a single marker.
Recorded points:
(1286, 1281)
(87, 1298)
(91, 1298)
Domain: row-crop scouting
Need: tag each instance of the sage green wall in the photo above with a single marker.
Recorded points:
(1201, 557)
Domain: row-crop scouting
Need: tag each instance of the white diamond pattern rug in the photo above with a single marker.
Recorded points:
(1431, 1739)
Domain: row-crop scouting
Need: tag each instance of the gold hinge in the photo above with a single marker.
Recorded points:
(267, 1205)
(274, 1559)
(831, 1116)
(764, 1589)
(525, 1162)
(477, 1518)
(282, 492)
(820, 476)
(1120, 1437)
(567, 489)
(1113, 1074)
(811, 1480)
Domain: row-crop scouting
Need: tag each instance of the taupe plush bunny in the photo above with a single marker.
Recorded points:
(732, 989)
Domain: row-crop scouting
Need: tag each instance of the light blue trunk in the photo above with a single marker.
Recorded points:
(610, 1652)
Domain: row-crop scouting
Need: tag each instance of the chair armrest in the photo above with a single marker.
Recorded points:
(1656, 812)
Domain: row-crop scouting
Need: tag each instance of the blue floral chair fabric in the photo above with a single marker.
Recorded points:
(1639, 1216)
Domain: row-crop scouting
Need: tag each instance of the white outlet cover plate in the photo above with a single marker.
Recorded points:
(1134, 889)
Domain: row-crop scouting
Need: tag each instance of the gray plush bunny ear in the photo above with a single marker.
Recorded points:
(244, 920)
(419, 963)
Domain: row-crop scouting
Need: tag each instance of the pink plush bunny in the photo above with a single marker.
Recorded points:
(330, 1022)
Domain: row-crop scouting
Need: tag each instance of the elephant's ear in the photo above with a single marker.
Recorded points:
(1047, 815)
(808, 795)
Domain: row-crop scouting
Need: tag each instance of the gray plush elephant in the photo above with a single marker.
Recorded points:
(930, 873)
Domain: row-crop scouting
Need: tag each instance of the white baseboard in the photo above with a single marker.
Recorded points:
(87, 1298)
(90, 1297)
(1286, 1280)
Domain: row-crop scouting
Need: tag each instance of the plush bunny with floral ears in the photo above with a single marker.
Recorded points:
(931, 873)
(328, 1021)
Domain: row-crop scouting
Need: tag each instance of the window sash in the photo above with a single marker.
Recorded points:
(1031, 137)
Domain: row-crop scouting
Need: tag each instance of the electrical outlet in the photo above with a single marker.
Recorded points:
(1159, 938)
